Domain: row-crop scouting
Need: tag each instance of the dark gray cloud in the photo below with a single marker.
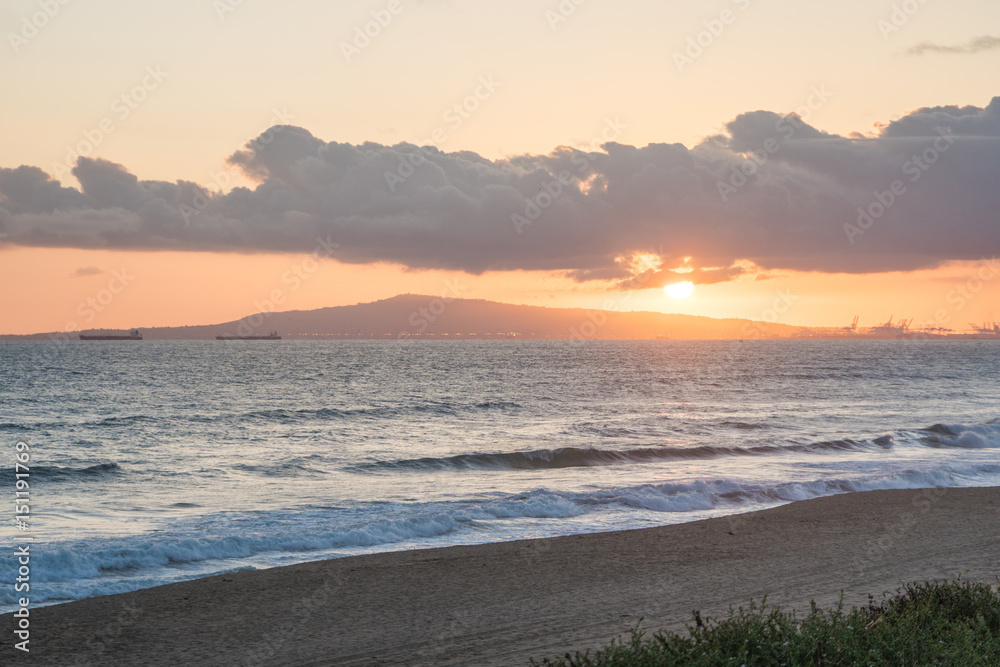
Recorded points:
(770, 189)
(975, 45)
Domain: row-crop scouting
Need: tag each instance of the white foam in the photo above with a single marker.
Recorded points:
(72, 570)
(979, 436)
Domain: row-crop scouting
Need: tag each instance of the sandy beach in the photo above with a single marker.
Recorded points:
(502, 604)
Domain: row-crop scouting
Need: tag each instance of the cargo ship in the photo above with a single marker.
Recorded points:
(271, 336)
(132, 335)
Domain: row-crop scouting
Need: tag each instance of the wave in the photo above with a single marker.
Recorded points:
(980, 436)
(733, 495)
(280, 470)
(255, 534)
(227, 538)
(285, 415)
(744, 426)
(572, 457)
(10, 426)
(59, 473)
(940, 435)
(124, 421)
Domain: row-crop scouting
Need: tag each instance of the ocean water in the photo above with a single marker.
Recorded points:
(157, 462)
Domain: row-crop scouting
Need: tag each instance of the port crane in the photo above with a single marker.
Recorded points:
(986, 328)
(888, 327)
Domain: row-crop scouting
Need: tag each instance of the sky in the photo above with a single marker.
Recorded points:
(196, 161)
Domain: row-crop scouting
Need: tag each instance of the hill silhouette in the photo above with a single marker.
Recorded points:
(414, 316)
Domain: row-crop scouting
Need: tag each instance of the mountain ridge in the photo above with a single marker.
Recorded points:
(418, 316)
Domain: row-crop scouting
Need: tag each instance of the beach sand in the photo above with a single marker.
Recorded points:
(501, 604)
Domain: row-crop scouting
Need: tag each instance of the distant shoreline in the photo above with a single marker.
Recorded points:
(422, 317)
(74, 337)
(503, 603)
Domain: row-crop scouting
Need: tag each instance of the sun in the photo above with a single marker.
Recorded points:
(679, 290)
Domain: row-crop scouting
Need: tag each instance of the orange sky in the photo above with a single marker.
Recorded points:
(144, 289)
(223, 78)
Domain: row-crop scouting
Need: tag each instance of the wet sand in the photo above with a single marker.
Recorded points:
(502, 604)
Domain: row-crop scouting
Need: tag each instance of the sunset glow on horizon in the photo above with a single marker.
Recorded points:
(618, 194)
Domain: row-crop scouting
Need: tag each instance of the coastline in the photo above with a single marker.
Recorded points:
(504, 603)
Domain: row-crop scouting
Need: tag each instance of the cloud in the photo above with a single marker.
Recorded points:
(87, 271)
(968, 122)
(769, 193)
(984, 43)
(651, 278)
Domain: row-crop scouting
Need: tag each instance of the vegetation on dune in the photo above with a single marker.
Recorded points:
(949, 623)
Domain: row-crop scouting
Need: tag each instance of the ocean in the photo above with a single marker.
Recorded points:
(154, 462)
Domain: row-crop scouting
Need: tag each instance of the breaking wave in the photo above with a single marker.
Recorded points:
(97, 567)
(59, 473)
(571, 457)
(980, 436)
(940, 435)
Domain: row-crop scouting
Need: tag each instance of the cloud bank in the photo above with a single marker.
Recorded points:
(975, 45)
(769, 193)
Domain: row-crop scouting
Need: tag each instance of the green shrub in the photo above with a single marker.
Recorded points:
(950, 623)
